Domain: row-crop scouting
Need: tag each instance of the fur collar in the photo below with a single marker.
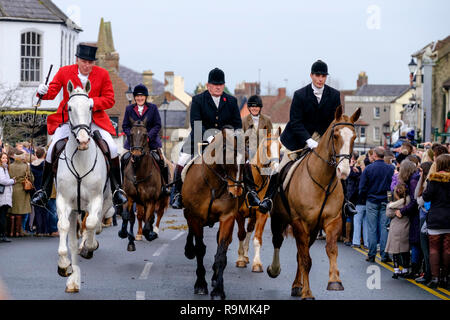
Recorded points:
(440, 176)
(399, 203)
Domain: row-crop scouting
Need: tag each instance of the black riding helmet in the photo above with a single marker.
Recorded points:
(319, 67)
(140, 89)
(254, 101)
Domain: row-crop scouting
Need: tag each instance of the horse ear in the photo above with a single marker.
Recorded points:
(69, 87)
(131, 120)
(279, 131)
(145, 122)
(88, 87)
(338, 113)
(355, 116)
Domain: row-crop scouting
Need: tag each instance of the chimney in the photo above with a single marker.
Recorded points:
(281, 92)
(147, 79)
(362, 80)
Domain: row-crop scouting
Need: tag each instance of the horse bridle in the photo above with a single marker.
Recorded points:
(141, 148)
(87, 128)
(333, 162)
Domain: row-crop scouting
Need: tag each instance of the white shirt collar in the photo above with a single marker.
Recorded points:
(317, 90)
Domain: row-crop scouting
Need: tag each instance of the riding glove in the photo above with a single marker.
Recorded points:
(42, 89)
(311, 143)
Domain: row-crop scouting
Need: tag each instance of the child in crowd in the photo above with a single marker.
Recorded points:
(398, 237)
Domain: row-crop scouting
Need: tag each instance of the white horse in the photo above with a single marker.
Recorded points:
(81, 185)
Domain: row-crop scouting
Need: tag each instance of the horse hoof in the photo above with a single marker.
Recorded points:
(98, 245)
(271, 274)
(190, 254)
(257, 268)
(296, 291)
(216, 295)
(123, 234)
(335, 286)
(65, 272)
(131, 247)
(85, 253)
(241, 264)
(309, 298)
(138, 237)
(151, 236)
(72, 290)
(201, 290)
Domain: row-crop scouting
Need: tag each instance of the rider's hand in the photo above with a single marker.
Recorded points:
(311, 143)
(42, 89)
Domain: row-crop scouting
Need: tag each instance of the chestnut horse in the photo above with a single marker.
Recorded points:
(265, 160)
(142, 183)
(211, 193)
(314, 199)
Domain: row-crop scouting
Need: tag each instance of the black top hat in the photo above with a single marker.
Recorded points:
(216, 76)
(319, 67)
(86, 52)
(140, 89)
(255, 101)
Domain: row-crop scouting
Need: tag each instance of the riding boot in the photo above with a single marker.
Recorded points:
(267, 203)
(40, 197)
(119, 196)
(124, 161)
(177, 202)
(249, 182)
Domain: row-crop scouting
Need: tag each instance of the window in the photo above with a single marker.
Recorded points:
(363, 132)
(30, 57)
(376, 112)
(376, 134)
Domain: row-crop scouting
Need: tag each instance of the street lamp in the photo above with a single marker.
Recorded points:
(129, 94)
(164, 106)
(412, 66)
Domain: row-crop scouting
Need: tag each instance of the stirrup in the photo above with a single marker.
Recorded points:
(270, 207)
(43, 199)
(256, 195)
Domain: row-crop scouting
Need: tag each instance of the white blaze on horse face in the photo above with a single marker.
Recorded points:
(274, 153)
(343, 169)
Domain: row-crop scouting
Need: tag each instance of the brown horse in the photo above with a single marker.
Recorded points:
(314, 199)
(264, 161)
(142, 182)
(211, 193)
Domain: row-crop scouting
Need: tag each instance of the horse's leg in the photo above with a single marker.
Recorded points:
(64, 210)
(94, 209)
(140, 217)
(257, 241)
(162, 205)
(332, 229)
(301, 234)
(148, 232)
(132, 218)
(189, 249)
(74, 281)
(250, 228)
(277, 227)
(240, 262)
(220, 259)
(125, 216)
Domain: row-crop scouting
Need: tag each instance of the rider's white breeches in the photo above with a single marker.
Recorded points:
(63, 131)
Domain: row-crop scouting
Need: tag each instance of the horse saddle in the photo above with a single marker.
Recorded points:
(61, 144)
(186, 168)
(287, 170)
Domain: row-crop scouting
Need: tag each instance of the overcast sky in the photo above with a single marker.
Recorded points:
(274, 41)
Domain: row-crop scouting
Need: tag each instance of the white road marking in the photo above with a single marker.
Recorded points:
(140, 295)
(144, 274)
(178, 235)
(158, 252)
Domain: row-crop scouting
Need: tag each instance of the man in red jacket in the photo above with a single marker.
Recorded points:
(101, 98)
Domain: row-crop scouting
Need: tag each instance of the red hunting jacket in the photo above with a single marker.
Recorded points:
(101, 92)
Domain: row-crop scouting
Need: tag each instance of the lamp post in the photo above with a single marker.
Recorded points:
(129, 94)
(164, 106)
(412, 66)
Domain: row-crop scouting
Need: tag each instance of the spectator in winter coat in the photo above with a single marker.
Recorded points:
(5, 197)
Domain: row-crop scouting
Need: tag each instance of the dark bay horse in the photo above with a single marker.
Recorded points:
(264, 161)
(314, 200)
(142, 183)
(211, 193)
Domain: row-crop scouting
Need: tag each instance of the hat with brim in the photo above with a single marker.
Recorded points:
(319, 67)
(86, 52)
(216, 76)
